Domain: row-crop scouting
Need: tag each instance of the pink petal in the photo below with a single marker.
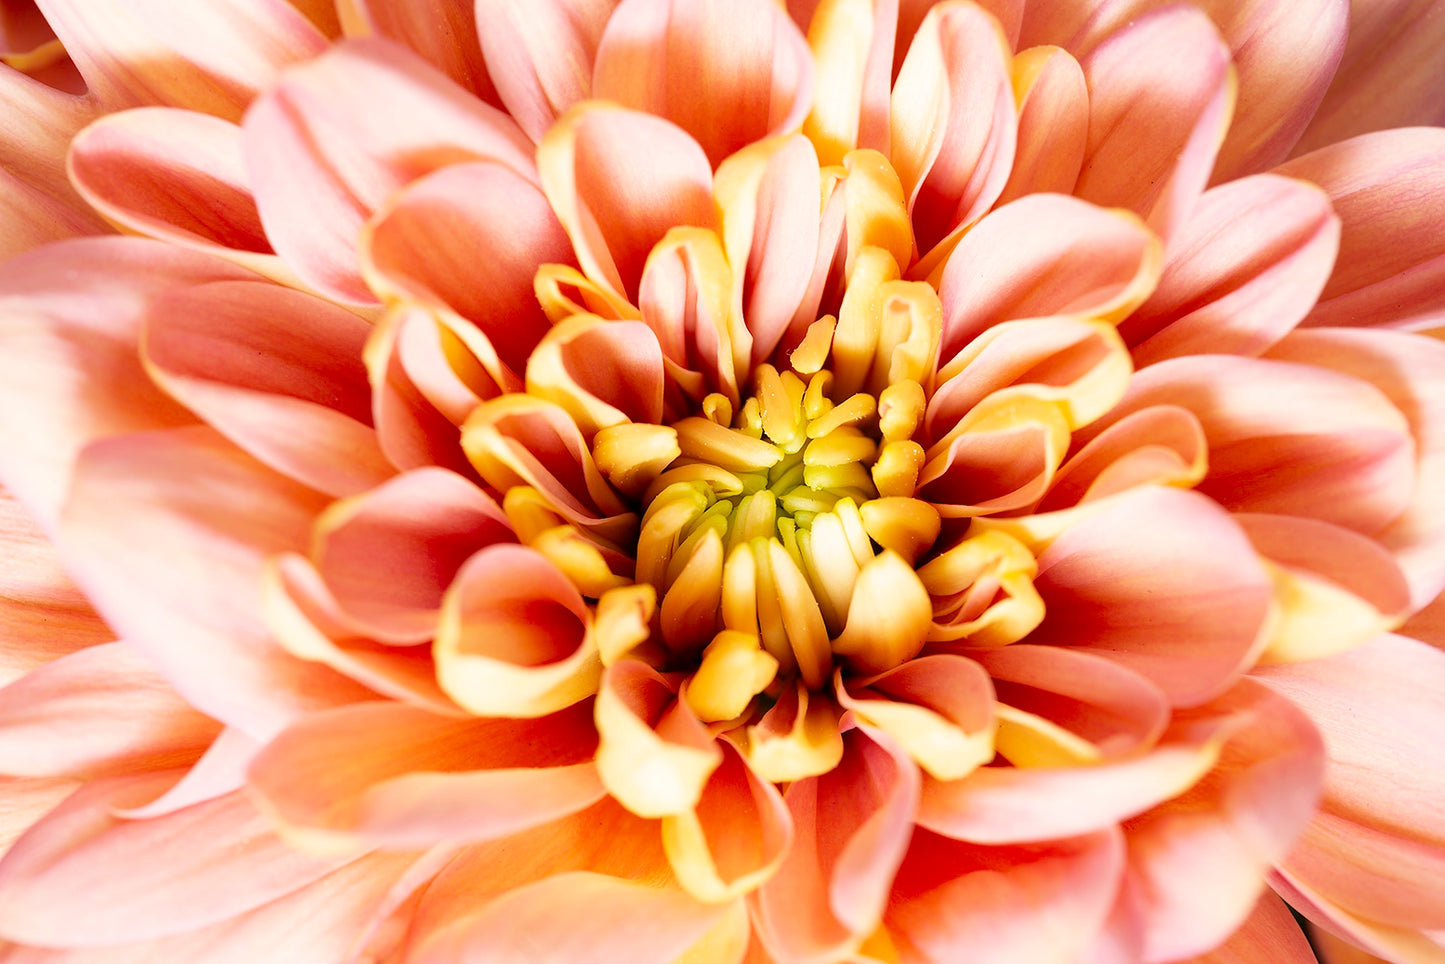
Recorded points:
(390, 554)
(953, 139)
(1197, 862)
(1044, 255)
(1053, 126)
(276, 371)
(398, 777)
(473, 236)
(31, 216)
(729, 72)
(1289, 439)
(26, 801)
(221, 770)
(1158, 445)
(1159, 103)
(1165, 583)
(541, 54)
(97, 711)
(141, 503)
(997, 905)
(603, 372)
(1406, 369)
(211, 57)
(83, 877)
(337, 136)
(443, 35)
(43, 615)
(69, 368)
(1389, 76)
(618, 180)
(1269, 936)
(1243, 270)
(1388, 189)
(1377, 849)
(852, 827)
(1394, 944)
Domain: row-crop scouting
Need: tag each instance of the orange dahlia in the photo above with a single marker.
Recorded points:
(721, 481)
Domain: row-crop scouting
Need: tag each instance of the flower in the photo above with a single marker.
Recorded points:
(698, 481)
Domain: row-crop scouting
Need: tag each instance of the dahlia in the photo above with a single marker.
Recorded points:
(719, 481)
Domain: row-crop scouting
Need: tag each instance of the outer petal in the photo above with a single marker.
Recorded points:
(141, 503)
(1269, 936)
(1388, 189)
(69, 368)
(212, 57)
(1377, 848)
(337, 136)
(729, 72)
(445, 35)
(157, 877)
(97, 711)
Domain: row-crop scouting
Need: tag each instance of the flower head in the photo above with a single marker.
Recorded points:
(697, 481)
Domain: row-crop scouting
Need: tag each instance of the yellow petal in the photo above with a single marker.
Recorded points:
(1028, 740)
(796, 739)
(888, 618)
(1313, 618)
(734, 669)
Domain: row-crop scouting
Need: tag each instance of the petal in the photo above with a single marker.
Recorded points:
(852, 825)
(70, 367)
(444, 36)
(729, 72)
(1197, 862)
(1387, 190)
(853, 44)
(1053, 126)
(541, 55)
(98, 711)
(278, 372)
(1378, 844)
(1394, 944)
(618, 180)
(26, 802)
(993, 905)
(1163, 582)
(1389, 75)
(382, 774)
(1269, 936)
(953, 139)
(1160, 98)
(337, 136)
(84, 877)
(140, 503)
(604, 372)
(1243, 270)
(211, 57)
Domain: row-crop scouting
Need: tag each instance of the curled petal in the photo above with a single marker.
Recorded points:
(381, 774)
(1158, 445)
(797, 738)
(603, 372)
(749, 58)
(1053, 127)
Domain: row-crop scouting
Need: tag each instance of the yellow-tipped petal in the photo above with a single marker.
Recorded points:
(1313, 618)
(907, 526)
(889, 617)
(632, 455)
(1027, 740)
(734, 669)
(623, 621)
(796, 739)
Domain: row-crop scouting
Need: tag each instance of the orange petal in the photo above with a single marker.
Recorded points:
(852, 43)
(445, 36)
(383, 774)
(1053, 127)
(729, 72)
(1158, 445)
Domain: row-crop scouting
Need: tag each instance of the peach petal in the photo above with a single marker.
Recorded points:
(98, 711)
(1364, 937)
(852, 827)
(956, 901)
(214, 58)
(1053, 125)
(25, 801)
(603, 372)
(337, 136)
(796, 738)
(220, 770)
(1158, 445)
(1349, 455)
(141, 502)
(176, 175)
(1389, 75)
(1243, 270)
(1111, 706)
(69, 349)
(444, 36)
(953, 140)
(618, 179)
(276, 371)
(1405, 368)
(1160, 98)
(471, 235)
(185, 870)
(1377, 846)
(31, 216)
(734, 837)
(390, 554)
(853, 47)
(383, 774)
(1116, 583)
(1268, 936)
(752, 62)
(1045, 255)
(1386, 188)
(1197, 861)
(43, 615)
(541, 54)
